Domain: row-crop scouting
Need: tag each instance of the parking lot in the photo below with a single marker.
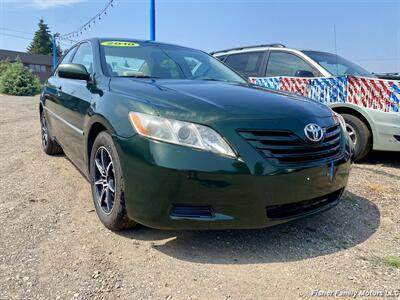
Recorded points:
(53, 245)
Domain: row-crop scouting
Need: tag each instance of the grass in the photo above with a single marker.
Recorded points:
(392, 261)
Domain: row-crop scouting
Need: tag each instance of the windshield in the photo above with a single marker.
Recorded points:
(337, 65)
(162, 61)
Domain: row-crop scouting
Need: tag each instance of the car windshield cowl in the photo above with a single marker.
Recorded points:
(139, 76)
(153, 77)
(208, 79)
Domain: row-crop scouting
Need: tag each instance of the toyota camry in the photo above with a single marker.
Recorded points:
(170, 137)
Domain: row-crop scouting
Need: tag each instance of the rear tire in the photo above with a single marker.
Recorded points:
(107, 183)
(360, 135)
(49, 145)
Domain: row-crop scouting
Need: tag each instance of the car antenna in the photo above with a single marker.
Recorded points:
(334, 36)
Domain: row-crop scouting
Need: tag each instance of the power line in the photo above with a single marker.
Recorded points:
(18, 31)
(30, 33)
(89, 23)
(30, 39)
(15, 36)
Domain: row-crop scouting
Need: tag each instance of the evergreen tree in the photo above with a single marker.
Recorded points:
(19, 80)
(4, 64)
(42, 41)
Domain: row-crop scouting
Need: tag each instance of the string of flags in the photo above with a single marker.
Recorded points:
(89, 24)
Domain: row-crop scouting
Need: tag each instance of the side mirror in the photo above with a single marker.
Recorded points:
(73, 71)
(304, 73)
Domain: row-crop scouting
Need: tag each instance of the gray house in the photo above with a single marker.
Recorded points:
(41, 65)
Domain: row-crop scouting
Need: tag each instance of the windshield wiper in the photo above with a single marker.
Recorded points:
(208, 79)
(140, 76)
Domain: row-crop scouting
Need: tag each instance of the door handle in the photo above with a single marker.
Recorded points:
(59, 90)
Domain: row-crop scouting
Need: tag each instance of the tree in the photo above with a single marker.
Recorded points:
(19, 80)
(4, 64)
(42, 41)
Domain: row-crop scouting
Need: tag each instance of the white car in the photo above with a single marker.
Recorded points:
(369, 105)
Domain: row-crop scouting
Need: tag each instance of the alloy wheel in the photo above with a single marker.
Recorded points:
(352, 133)
(45, 131)
(104, 180)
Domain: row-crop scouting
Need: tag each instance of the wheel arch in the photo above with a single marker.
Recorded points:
(95, 128)
(357, 112)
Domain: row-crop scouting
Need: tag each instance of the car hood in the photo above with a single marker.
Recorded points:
(204, 101)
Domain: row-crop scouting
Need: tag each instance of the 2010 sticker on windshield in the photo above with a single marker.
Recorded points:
(119, 44)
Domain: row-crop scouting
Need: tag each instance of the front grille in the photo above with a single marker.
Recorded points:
(286, 148)
(295, 209)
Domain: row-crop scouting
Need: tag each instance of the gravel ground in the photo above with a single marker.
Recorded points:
(54, 247)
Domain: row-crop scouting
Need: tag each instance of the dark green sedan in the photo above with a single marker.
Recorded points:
(170, 137)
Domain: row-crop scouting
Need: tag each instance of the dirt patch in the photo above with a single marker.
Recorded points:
(54, 247)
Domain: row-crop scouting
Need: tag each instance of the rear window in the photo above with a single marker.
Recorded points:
(247, 63)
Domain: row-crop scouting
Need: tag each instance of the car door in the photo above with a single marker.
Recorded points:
(282, 63)
(74, 98)
(52, 95)
(250, 64)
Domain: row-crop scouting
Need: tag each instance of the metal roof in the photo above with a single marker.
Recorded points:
(26, 58)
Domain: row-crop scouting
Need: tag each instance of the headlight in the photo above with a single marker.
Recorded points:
(339, 120)
(181, 133)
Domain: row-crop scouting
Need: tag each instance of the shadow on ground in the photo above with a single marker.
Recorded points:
(350, 223)
(387, 159)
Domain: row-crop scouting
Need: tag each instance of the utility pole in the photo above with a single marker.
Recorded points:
(55, 35)
(152, 20)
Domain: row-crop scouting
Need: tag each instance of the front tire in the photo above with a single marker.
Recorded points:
(107, 183)
(359, 134)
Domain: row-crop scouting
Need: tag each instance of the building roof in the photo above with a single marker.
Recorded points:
(27, 58)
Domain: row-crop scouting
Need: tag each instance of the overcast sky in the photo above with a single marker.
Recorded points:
(367, 32)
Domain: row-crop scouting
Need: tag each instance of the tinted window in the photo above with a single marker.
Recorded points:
(247, 63)
(337, 65)
(84, 56)
(286, 64)
(163, 61)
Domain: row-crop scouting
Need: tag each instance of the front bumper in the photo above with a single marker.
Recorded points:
(163, 180)
(386, 130)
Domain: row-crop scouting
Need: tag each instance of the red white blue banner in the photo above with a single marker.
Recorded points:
(377, 94)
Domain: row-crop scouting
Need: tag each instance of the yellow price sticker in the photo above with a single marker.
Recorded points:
(119, 44)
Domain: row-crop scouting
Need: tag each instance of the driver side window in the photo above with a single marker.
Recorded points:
(67, 57)
(84, 56)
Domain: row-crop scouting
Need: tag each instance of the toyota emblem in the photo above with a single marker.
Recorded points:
(314, 132)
